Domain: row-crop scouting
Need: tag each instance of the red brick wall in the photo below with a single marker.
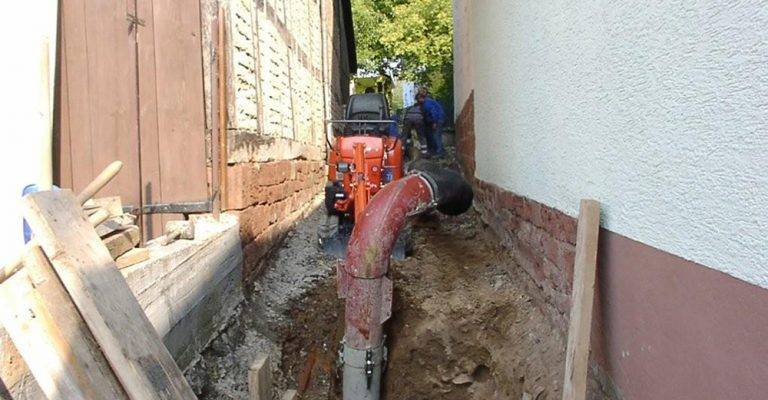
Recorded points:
(268, 199)
(542, 240)
(465, 136)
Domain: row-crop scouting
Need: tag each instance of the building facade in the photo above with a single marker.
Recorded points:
(141, 81)
(660, 113)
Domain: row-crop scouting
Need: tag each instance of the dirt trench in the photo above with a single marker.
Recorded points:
(463, 325)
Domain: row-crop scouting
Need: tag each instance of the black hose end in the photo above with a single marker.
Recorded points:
(453, 193)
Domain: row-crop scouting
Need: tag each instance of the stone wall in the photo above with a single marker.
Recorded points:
(288, 67)
(268, 198)
(541, 238)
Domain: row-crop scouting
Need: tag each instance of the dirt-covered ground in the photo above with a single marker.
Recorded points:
(463, 325)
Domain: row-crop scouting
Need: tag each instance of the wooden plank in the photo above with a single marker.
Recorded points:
(172, 111)
(151, 225)
(62, 138)
(119, 242)
(132, 257)
(97, 117)
(75, 79)
(113, 224)
(131, 345)
(223, 120)
(181, 113)
(213, 70)
(584, 270)
(112, 105)
(260, 379)
(51, 335)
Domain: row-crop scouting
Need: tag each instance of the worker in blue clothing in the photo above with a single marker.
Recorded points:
(434, 117)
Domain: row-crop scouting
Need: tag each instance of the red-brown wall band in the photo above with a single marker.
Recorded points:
(665, 327)
(268, 198)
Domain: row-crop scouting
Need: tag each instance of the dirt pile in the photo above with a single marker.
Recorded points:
(463, 326)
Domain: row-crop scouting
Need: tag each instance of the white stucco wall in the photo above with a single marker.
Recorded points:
(462, 54)
(659, 110)
(25, 109)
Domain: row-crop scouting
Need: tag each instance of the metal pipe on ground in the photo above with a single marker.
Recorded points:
(362, 279)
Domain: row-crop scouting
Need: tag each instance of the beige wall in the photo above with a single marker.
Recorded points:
(462, 54)
(288, 71)
(287, 65)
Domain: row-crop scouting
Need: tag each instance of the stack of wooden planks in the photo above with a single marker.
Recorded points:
(73, 318)
(119, 232)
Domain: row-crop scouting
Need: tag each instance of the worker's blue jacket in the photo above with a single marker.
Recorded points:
(433, 111)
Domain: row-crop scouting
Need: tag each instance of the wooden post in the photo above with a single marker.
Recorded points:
(260, 379)
(585, 265)
(223, 122)
(215, 142)
(52, 337)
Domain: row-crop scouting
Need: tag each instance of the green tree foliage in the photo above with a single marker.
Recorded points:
(409, 39)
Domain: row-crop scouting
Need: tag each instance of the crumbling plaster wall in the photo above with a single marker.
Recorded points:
(658, 112)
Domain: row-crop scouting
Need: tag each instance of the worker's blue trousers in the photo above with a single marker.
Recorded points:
(434, 140)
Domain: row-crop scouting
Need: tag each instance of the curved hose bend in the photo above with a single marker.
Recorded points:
(362, 279)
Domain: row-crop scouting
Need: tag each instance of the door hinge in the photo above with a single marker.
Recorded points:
(133, 20)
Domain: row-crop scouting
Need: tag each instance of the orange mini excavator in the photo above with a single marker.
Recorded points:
(366, 155)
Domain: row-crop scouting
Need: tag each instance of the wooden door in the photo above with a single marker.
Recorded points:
(171, 110)
(131, 89)
(96, 117)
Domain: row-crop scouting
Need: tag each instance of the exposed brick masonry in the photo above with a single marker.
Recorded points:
(268, 198)
(542, 239)
(465, 136)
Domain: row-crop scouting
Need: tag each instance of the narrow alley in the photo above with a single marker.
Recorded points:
(384, 199)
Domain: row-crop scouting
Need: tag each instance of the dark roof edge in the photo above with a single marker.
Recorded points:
(349, 33)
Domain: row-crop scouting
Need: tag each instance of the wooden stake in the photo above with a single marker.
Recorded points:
(260, 379)
(222, 86)
(584, 269)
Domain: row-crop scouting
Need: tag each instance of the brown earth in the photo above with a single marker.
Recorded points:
(463, 325)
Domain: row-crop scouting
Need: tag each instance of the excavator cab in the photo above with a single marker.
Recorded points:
(362, 159)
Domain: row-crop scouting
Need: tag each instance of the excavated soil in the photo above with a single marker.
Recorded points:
(463, 325)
